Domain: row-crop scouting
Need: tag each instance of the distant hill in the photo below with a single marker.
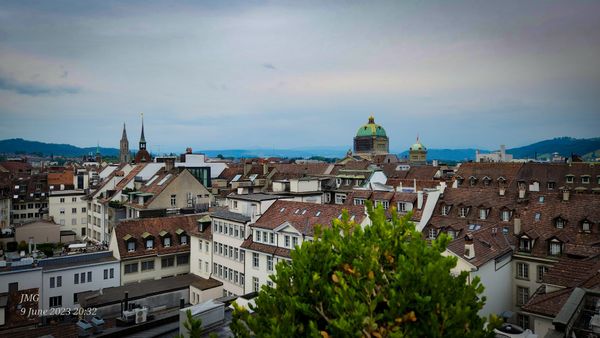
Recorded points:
(21, 146)
(565, 146)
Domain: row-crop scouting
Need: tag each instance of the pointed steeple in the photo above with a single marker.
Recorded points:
(142, 138)
(97, 147)
(124, 137)
(124, 156)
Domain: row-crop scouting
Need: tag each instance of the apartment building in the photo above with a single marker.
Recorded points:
(68, 208)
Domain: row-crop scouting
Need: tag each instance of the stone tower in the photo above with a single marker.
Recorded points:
(124, 156)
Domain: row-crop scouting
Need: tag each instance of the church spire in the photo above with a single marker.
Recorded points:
(142, 138)
(124, 137)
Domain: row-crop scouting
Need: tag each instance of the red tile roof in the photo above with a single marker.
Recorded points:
(135, 228)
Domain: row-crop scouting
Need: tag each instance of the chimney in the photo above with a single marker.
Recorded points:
(169, 163)
(247, 167)
(419, 200)
(517, 225)
(469, 247)
(566, 195)
(501, 190)
(265, 168)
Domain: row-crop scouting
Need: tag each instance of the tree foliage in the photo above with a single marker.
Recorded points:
(380, 280)
(192, 325)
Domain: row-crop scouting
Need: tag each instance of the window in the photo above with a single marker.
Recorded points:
(167, 262)
(131, 268)
(287, 241)
(294, 241)
(340, 198)
(220, 270)
(269, 263)
(236, 254)
(524, 244)
(570, 178)
(52, 283)
(463, 212)
(75, 300)
(255, 284)
(452, 234)
(432, 233)
(215, 268)
(235, 204)
(523, 271)
(585, 179)
(359, 201)
(83, 209)
(62, 211)
(206, 266)
(272, 238)
(254, 260)
(76, 278)
(270, 283)
(206, 247)
(560, 223)
(105, 273)
(173, 200)
(183, 239)
(82, 277)
(149, 244)
(522, 295)
(236, 277)
(167, 242)
(505, 215)
(585, 226)
(89, 276)
(130, 246)
(523, 321)
(183, 259)
(258, 232)
(220, 248)
(541, 271)
(62, 200)
(538, 216)
(236, 231)
(242, 279)
(551, 185)
(401, 207)
(541, 199)
(55, 301)
(482, 213)
(200, 244)
(386, 204)
(445, 210)
(225, 274)
(555, 248)
(112, 273)
(148, 265)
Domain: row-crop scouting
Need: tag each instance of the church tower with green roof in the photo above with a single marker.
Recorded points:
(371, 140)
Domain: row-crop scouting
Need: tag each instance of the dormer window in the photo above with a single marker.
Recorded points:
(452, 233)
(501, 181)
(167, 242)
(487, 181)
(585, 179)
(559, 223)
(432, 233)
(446, 209)
(150, 243)
(129, 242)
(551, 185)
(541, 199)
(569, 178)
(525, 244)
(183, 238)
(472, 181)
(460, 180)
(483, 213)
(505, 215)
(586, 226)
(555, 248)
(463, 211)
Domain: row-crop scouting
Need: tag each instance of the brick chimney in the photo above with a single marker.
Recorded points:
(169, 163)
(566, 195)
(469, 247)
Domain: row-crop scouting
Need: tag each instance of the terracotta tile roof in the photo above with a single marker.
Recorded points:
(135, 228)
(508, 171)
(160, 181)
(568, 272)
(308, 169)
(547, 304)
(304, 216)
(542, 217)
(265, 248)
(488, 245)
(16, 168)
(58, 178)
(229, 173)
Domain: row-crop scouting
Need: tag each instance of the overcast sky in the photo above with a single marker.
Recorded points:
(265, 74)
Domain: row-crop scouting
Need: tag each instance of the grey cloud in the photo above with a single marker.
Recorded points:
(269, 66)
(33, 89)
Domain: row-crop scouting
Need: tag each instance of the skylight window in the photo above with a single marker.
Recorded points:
(282, 210)
(166, 178)
(318, 214)
(297, 211)
(303, 211)
(236, 178)
(151, 180)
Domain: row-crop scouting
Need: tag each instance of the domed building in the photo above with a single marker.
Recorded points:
(371, 140)
(417, 154)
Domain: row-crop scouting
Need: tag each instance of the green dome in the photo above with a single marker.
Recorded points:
(417, 146)
(371, 129)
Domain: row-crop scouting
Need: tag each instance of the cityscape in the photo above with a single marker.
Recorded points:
(280, 169)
